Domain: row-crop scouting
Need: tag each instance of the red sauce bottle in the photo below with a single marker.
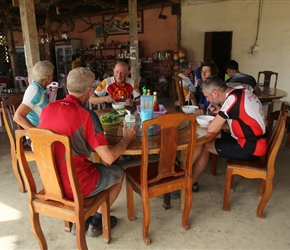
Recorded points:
(155, 102)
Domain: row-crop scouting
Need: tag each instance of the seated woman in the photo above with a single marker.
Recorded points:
(207, 69)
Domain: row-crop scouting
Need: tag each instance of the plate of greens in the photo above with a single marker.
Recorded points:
(112, 118)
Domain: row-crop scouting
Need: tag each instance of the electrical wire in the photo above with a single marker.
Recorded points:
(259, 19)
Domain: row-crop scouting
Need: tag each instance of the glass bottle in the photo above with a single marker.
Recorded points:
(148, 91)
(155, 102)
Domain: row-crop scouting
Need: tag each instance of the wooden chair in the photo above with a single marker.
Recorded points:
(9, 105)
(267, 78)
(178, 94)
(48, 198)
(263, 168)
(274, 116)
(266, 83)
(162, 177)
(2, 87)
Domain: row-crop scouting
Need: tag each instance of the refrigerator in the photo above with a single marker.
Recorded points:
(64, 49)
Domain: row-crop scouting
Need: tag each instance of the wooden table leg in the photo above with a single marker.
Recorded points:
(166, 201)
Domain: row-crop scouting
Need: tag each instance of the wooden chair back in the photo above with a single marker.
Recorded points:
(48, 198)
(267, 78)
(8, 105)
(164, 176)
(275, 116)
(178, 90)
(263, 168)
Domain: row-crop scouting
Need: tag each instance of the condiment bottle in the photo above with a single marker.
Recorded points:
(155, 102)
(148, 91)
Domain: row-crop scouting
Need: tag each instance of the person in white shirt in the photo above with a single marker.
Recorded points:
(188, 87)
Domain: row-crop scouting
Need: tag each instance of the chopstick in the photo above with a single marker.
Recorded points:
(113, 100)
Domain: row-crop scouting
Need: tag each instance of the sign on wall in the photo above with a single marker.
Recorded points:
(115, 24)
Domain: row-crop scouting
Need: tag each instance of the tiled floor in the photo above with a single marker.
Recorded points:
(211, 227)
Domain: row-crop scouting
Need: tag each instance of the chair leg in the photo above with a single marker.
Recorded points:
(36, 229)
(106, 220)
(227, 191)
(130, 202)
(261, 189)
(146, 218)
(80, 234)
(265, 198)
(270, 123)
(187, 208)
(213, 164)
(288, 142)
(166, 201)
(17, 173)
(67, 226)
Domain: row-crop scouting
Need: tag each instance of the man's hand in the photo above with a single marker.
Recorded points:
(109, 99)
(129, 133)
(213, 109)
(129, 102)
(200, 112)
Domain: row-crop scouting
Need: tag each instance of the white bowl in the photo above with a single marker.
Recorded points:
(119, 105)
(203, 120)
(189, 109)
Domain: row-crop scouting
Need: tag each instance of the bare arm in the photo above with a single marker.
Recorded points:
(216, 124)
(109, 155)
(100, 99)
(20, 116)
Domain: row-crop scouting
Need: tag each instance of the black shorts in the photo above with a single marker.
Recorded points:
(228, 147)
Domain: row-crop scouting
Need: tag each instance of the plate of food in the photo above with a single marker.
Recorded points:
(110, 119)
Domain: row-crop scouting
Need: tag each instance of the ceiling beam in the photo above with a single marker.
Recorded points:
(15, 3)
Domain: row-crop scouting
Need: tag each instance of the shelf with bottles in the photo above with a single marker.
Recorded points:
(156, 69)
(156, 74)
(104, 54)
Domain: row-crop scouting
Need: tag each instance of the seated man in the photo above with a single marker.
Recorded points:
(118, 88)
(68, 117)
(232, 69)
(241, 124)
(188, 87)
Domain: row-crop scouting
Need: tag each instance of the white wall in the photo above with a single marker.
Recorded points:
(241, 18)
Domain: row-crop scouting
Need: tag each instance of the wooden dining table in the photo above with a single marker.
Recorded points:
(268, 94)
(16, 92)
(114, 135)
